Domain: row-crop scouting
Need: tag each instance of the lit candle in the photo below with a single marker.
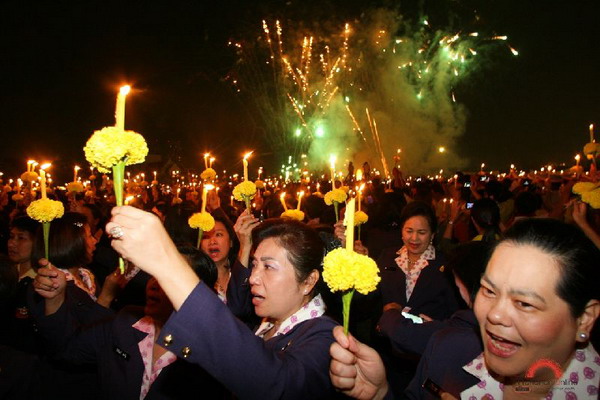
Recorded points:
(245, 162)
(43, 179)
(360, 195)
(349, 223)
(206, 155)
(75, 173)
(592, 133)
(359, 175)
(300, 199)
(482, 166)
(30, 165)
(120, 111)
(231, 200)
(332, 170)
(282, 199)
(212, 160)
(577, 158)
(205, 190)
(155, 175)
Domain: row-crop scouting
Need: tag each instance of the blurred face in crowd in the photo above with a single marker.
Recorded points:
(416, 235)
(90, 242)
(521, 317)
(217, 243)
(158, 306)
(20, 245)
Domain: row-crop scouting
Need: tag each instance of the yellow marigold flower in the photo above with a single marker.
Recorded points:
(259, 184)
(591, 148)
(345, 270)
(360, 217)
(592, 198)
(155, 182)
(17, 197)
(110, 145)
(244, 190)
(30, 176)
(582, 187)
(293, 214)
(75, 187)
(93, 177)
(345, 189)
(176, 200)
(337, 195)
(208, 174)
(202, 220)
(45, 210)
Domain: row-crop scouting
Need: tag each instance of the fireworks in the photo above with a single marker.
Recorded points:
(309, 88)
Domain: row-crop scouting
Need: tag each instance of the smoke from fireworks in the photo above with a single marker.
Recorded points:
(361, 92)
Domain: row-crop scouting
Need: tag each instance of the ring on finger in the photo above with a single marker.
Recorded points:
(116, 232)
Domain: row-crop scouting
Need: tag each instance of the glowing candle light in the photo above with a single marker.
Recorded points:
(282, 199)
(441, 149)
(231, 200)
(592, 133)
(332, 170)
(206, 155)
(155, 175)
(75, 169)
(245, 162)
(212, 160)
(360, 195)
(577, 158)
(205, 190)
(43, 178)
(30, 165)
(349, 223)
(120, 111)
(482, 166)
(359, 175)
(300, 199)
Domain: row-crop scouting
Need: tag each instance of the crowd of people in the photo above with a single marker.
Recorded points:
(489, 289)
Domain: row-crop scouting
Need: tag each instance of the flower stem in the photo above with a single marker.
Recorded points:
(346, 299)
(200, 232)
(118, 176)
(337, 214)
(358, 233)
(46, 231)
(247, 200)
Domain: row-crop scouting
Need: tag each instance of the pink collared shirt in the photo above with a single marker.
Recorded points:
(86, 281)
(146, 346)
(579, 381)
(413, 274)
(313, 309)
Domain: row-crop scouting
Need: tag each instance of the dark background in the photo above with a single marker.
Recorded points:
(62, 63)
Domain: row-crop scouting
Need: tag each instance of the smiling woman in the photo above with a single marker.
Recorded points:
(539, 301)
(288, 356)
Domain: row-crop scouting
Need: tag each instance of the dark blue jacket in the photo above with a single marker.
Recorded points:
(407, 336)
(446, 353)
(290, 366)
(433, 295)
(113, 346)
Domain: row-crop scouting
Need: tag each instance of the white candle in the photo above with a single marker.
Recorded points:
(300, 199)
(349, 222)
(592, 133)
(245, 162)
(360, 195)
(205, 190)
(75, 173)
(577, 158)
(206, 160)
(282, 199)
(332, 170)
(212, 160)
(43, 179)
(120, 111)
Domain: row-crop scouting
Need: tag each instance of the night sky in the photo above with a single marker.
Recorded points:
(62, 63)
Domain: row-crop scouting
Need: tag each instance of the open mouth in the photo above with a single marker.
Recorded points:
(257, 299)
(500, 346)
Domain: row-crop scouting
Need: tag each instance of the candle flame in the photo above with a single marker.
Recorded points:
(212, 159)
(208, 186)
(30, 161)
(577, 157)
(77, 168)
(248, 155)
(45, 166)
(361, 187)
(482, 165)
(332, 159)
(206, 155)
(124, 90)
(359, 174)
(442, 149)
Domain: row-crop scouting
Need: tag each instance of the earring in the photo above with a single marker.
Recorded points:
(583, 336)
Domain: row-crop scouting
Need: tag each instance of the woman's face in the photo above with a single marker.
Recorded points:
(217, 243)
(522, 319)
(20, 245)
(90, 241)
(416, 234)
(276, 294)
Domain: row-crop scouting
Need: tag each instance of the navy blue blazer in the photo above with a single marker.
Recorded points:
(290, 366)
(433, 295)
(113, 347)
(407, 336)
(446, 353)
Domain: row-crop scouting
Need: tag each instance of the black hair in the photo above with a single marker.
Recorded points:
(176, 225)
(201, 264)
(468, 261)
(9, 277)
(486, 214)
(576, 256)
(24, 223)
(421, 209)
(304, 247)
(66, 242)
